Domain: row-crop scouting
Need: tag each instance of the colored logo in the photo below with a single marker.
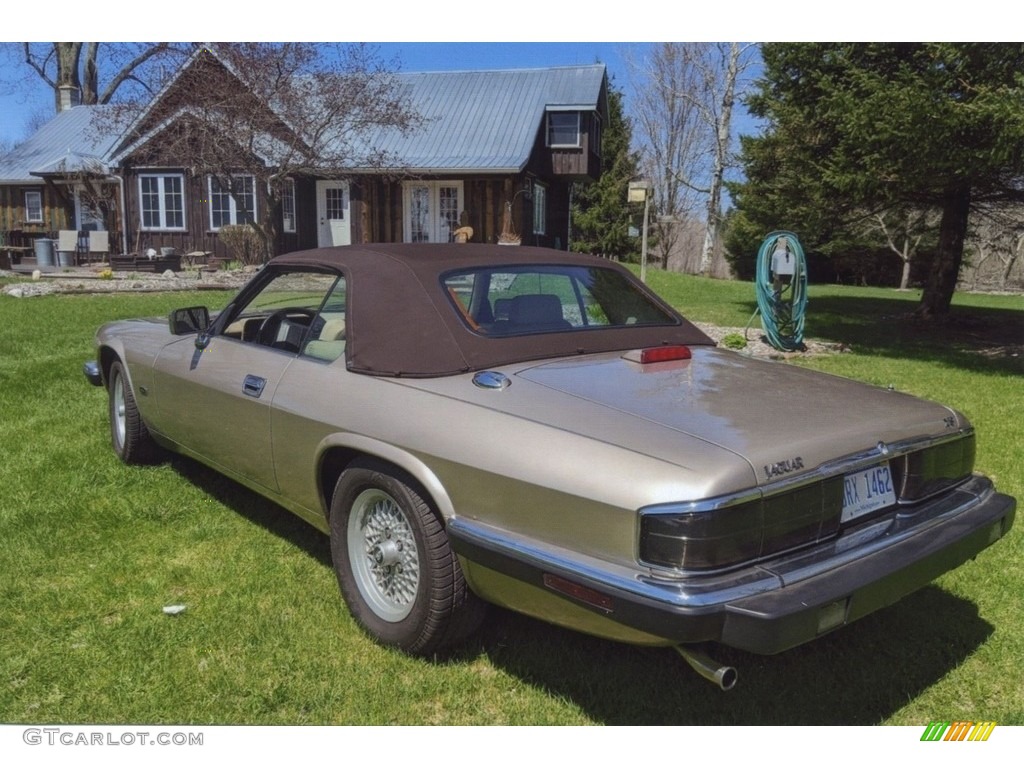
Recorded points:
(958, 730)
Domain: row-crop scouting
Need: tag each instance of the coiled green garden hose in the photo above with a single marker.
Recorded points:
(781, 297)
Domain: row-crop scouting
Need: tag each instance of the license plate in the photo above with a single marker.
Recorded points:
(866, 490)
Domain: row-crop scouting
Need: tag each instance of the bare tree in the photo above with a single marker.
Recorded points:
(274, 112)
(722, 67)
(674, 142)
(999, 233)
(903, 231)
(980, 251)
(684, 94)
(1011, 260)
(97, 72)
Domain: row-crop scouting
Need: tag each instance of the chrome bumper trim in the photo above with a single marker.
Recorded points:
(774, 605)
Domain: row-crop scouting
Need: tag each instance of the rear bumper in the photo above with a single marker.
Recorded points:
(774, 605)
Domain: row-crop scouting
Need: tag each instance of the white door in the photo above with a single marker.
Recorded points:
(432, 210)
(333, 212)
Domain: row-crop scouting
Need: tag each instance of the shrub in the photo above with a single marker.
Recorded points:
(244, 243)
(734, 341)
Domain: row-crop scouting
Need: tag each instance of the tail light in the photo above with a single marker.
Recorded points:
(726, 532)
(934, 468)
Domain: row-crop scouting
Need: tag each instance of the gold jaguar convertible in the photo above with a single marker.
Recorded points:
(480, 424)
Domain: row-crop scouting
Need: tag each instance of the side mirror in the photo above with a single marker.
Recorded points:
(188, 320)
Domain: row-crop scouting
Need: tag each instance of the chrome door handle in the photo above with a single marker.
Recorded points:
(253, 385)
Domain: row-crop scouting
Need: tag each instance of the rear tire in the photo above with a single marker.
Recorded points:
(397, 572)
(128, 433)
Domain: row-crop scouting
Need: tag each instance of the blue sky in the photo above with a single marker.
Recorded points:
(33, 96)
(526, 33)
(425, 57)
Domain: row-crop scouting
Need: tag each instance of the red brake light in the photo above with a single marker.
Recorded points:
(664, 354)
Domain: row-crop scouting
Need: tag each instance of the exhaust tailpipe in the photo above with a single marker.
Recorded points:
(719, 674)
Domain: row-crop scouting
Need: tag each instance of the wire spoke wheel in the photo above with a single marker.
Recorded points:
(396, 569)
(383, 553)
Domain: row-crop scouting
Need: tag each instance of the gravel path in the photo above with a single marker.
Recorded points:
(758, 347)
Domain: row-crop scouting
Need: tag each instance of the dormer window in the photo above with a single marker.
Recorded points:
(563, 129)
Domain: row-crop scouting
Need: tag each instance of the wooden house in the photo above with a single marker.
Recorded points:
(496, 151)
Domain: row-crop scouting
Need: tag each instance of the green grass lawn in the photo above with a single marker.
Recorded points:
(91, 551)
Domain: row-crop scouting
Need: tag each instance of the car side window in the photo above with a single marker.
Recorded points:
(327, 337)
(285, 312)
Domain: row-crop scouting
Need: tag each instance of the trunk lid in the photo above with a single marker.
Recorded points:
(780, 418)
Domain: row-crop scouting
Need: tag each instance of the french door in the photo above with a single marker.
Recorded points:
(432, 210)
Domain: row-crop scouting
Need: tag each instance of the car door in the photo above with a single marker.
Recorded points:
(217, 401)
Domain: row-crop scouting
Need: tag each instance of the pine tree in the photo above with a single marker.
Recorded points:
(858, 128)
(600, 215)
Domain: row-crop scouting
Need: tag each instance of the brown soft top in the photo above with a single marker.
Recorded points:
(401, 322)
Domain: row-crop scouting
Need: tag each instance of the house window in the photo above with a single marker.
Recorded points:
(540, 209)
(595, 134)
(232, 205)
(432, 210)
(89, 209)
(33, 207)
(162, 201)
(288, 206)
(563, 129)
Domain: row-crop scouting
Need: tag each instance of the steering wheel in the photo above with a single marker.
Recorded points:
(269, 328)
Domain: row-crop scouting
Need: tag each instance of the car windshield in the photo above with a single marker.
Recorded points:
(511, 301)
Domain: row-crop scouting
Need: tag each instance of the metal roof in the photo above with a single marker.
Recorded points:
(70, 142)
(485, 120)
(475, 121)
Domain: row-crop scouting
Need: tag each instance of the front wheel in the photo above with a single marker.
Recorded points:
(397, 572)
(128, 433)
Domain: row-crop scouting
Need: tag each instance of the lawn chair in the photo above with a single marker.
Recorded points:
(99, 243)
(67, 247)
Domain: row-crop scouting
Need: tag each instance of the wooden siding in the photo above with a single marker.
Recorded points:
(198, 235)
(58, 213)
(582, 163)
(12, 211)
(376, 210)
(381, 214)
(305, 236)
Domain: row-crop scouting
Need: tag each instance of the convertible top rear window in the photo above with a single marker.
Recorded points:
(516, 300)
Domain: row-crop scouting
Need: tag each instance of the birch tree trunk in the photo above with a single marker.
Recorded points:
(723, 135)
